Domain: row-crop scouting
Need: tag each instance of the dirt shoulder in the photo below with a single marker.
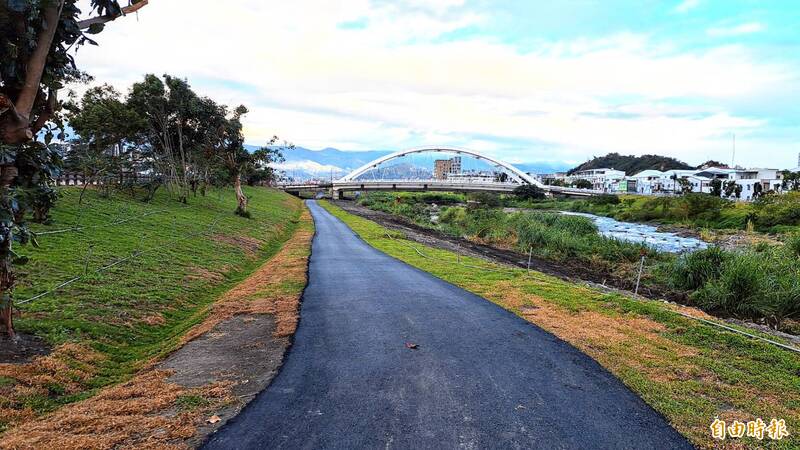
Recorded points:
(223, 363)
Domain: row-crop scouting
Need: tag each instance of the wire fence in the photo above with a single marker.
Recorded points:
(683, 314)
(137, 253)
(104, 225)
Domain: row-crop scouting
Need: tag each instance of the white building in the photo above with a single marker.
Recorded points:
(606, 180)
(650, 182)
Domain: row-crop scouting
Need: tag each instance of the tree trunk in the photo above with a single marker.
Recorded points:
(7, 176)
(16, 128)
(241, 199)
(7, 320)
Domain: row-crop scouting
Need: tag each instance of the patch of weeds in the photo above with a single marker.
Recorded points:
(191, 402)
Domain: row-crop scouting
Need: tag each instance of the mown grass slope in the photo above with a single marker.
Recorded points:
(109, 324)
(689, 371)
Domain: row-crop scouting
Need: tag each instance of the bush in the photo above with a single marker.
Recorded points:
(740, 289)
(777, 209)
(529, 192)
(487, 199)
(604, 199)
(749, 284)
(453, 219)
(691, 271)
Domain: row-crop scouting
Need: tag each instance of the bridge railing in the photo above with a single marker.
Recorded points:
(427, 181)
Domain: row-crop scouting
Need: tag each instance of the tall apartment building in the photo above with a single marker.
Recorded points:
(444, 167)
(455, 164)
(441, 167)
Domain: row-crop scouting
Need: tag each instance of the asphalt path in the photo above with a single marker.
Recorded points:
(480, 376)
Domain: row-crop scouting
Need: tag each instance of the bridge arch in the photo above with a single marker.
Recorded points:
(518, 175)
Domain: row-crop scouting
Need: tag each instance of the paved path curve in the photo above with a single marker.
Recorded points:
(481, 377)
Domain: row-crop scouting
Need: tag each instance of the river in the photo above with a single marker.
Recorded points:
(640, 233)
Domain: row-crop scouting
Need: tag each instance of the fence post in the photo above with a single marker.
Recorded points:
(530, 254)
(88, 257)
(639, 277)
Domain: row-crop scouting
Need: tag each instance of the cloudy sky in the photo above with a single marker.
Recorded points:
(522, 80)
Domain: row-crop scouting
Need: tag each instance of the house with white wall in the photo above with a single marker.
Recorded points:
(604, 179)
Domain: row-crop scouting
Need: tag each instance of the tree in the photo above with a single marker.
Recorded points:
(716, 187)
(732, 189)
(529, 192)
(238, 162)
(36, 38)
(631, 165)
(712, 163)
(791, 181)
(758, 189)
(686, 185)
(104, 121)
(582, 184)
(177, 124)
(106, 129)
(553, 182)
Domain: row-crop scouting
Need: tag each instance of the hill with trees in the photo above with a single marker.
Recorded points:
(632, 164)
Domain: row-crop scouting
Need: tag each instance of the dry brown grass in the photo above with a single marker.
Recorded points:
(250, 297)
(250, 245)
(624, 343)
(200, 273)
(154, 319)
(67, 368)
(586, 330)
(144, 412)
(138, 414)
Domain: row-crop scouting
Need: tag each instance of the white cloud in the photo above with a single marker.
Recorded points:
(737, 30)
(393, 84)
(687, 5)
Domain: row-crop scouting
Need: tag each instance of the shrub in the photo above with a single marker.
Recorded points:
(604, 199)
(748, 284)
(740, 288)
(487, 199)
(692, 270)
(777, 209)
(529, 192)
(793, 245)
(454, 215)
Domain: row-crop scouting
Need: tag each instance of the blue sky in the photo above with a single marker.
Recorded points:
(521, 80)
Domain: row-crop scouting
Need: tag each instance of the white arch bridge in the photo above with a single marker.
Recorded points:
(355, 180)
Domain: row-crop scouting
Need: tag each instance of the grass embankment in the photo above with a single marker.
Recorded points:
(689, 371)
(153, 409)
(757, 283)
(108, 325)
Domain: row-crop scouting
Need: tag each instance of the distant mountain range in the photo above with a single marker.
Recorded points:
(305, 164)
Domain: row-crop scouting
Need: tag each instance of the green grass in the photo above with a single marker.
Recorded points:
(139, 309)
(191, 402)
(758, 283)
(689, 371)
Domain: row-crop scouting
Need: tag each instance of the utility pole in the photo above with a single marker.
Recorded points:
(733, 155)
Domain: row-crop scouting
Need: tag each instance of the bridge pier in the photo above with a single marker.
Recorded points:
(337, 194)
